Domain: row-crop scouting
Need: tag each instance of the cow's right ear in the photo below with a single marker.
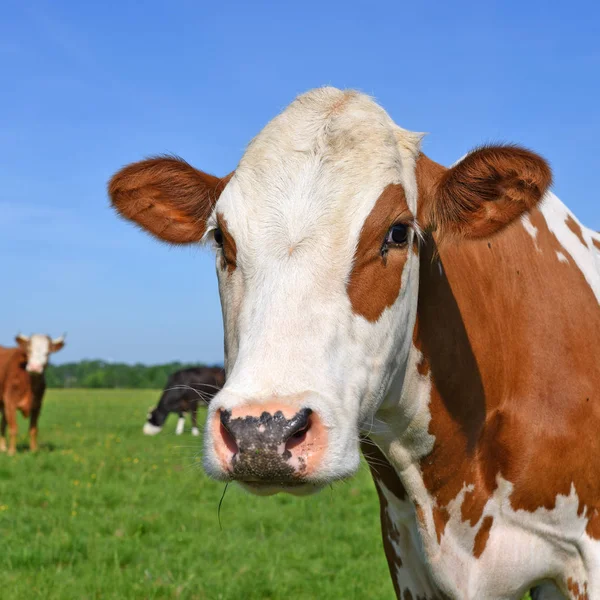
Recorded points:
(167, 197)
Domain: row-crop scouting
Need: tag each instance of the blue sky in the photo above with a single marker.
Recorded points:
(89, 87)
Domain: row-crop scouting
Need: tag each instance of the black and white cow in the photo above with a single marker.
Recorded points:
(184, 390)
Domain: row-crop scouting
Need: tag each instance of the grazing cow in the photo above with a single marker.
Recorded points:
(22, 385)
(448, 316)
(184, 390)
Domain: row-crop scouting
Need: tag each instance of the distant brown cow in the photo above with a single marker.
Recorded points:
(22, 385)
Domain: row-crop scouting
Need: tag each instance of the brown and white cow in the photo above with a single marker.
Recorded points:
(22, 385)
(448, 317)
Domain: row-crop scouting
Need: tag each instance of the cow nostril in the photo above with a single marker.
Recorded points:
(301, 428)
(296, 439)
(226, 435)
(300, 433)
(229, 440)
(299, 423)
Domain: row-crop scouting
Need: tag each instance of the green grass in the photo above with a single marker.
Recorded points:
(103, 511)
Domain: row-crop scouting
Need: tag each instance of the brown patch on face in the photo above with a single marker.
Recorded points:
(576, 592)
(375, 280)
(482, 536)
(510, 335)
(573, 225)
(441, 516)
(167, 197)
(229, 249)
(596, 243)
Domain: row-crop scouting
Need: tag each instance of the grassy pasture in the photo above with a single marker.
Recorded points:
(103, 511)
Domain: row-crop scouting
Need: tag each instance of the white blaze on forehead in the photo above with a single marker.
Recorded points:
(39, 350)
(313, 174)
(295, 206)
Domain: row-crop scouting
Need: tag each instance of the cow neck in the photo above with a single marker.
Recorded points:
(455, 321)
(495, 318)
(436, 446)
(455, 333)
(429, 451)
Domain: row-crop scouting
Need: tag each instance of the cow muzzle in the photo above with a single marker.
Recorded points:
(269, 447)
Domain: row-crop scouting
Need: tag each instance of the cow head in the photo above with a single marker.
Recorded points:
(317, 237)
(38, 348)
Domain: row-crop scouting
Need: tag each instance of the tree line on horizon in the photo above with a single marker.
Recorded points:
(104, 374)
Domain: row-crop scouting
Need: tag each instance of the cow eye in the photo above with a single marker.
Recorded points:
(218, 237)
(397, 235)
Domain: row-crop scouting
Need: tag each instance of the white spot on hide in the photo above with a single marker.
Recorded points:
(530, 229)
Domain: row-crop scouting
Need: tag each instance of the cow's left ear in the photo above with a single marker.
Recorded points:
(57, 343)
(483, 193)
